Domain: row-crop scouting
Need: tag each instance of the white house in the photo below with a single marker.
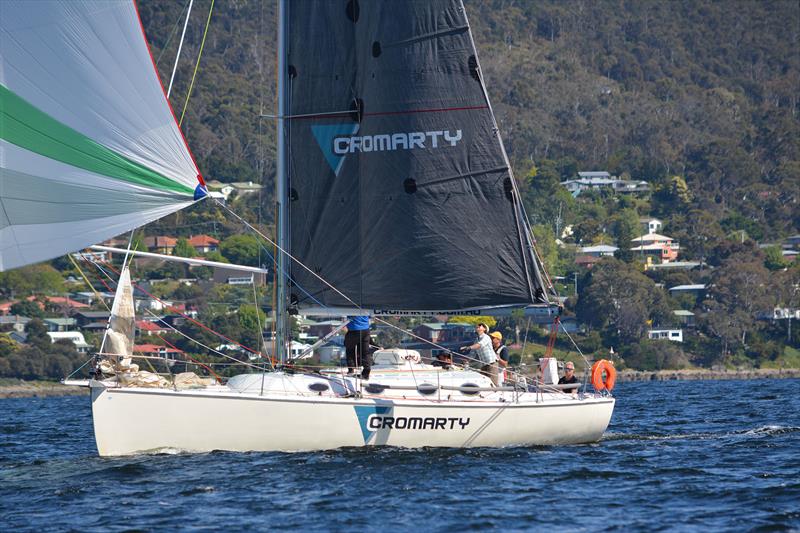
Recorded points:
(651, 225)
(75, 336)
(600, 250)
(675, 335)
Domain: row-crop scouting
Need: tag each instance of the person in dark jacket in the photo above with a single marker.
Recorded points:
(569, 377)
(356, 345)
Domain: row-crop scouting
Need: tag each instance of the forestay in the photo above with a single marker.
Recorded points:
(400, 192)
(89, 147)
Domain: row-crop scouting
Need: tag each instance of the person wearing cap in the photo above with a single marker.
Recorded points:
(501, 351)
(485, 353)
(569, 377)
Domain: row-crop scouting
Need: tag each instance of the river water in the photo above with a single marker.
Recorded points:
(678, 456)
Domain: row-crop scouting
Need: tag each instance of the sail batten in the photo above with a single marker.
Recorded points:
(89, 147)
(407, 201)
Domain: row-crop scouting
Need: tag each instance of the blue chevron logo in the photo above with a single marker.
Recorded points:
(363, 412)
(325, 135)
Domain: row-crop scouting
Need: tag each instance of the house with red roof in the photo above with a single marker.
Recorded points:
(147, 327)
(156, 350)
(160, 244)
(204, 244)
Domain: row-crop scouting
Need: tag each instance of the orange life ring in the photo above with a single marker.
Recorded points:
(597, 375)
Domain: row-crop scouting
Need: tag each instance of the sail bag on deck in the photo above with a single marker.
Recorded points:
(89, 148)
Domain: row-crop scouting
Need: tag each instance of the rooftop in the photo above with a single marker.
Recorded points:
(692, 287)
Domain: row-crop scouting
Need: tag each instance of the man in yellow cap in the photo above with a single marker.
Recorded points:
(501, 351)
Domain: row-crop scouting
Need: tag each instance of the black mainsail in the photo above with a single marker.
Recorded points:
(399, 191)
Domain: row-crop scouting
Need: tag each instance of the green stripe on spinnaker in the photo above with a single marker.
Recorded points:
(28, 127)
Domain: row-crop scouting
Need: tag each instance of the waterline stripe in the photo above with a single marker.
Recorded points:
(30, 128)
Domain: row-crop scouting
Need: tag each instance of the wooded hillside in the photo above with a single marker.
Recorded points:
(704, 90)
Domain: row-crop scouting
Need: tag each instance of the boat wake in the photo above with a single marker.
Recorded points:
(762, 431)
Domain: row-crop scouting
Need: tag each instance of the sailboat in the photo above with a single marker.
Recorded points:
(395, 197)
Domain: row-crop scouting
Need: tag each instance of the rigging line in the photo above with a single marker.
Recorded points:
(190, 358)
(172, 32)
(522, 239)
(79, 368)
(197, 64)
(283, 251)
(252, 228)
(209, 348)
(80, 271)
(187, 317)
(180, 47)
(258, 320)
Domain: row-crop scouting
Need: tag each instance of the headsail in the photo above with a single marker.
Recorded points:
(400, 191)
(118, 342)
(89, 147)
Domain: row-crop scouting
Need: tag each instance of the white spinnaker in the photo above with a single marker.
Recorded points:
(86, 65)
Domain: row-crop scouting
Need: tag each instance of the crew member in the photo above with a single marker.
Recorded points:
(501, 351)
(569, 377)
(485, 354)
(356, 345)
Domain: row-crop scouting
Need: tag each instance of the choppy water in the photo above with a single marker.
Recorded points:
(683, 456)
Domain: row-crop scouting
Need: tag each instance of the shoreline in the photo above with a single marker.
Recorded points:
(706, 374)
(45, 389)
(38, 389)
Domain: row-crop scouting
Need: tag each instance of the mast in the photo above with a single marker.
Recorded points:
(282, 226)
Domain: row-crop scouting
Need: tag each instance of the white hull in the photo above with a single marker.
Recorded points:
(131, 420)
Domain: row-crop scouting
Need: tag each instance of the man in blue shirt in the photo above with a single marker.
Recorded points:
(356, 345)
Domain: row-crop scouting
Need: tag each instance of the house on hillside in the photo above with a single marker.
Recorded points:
(60, 324)
(587, 261)
(656, 247)
(14, 323)
(60, 302)
(686, 318)
(674, 335)
(204, 243)
(650, 225)
(237, 277)
(160, 244)
(598, 180)
(444, 333)
(156, 350)
(75, 337)
(85, 318)
(600, 250)
(149, 327)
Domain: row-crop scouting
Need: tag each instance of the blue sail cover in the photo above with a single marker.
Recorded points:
(400, 191)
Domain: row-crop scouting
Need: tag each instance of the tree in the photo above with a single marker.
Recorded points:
(184, 249)
(39, 279)
(473, 320)
(241, 249)
(621, 300)
(250, 318)
(37, 334)
(546, 246)
(27, 308)
(625, 228)
(738, 290)
(773, 258)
